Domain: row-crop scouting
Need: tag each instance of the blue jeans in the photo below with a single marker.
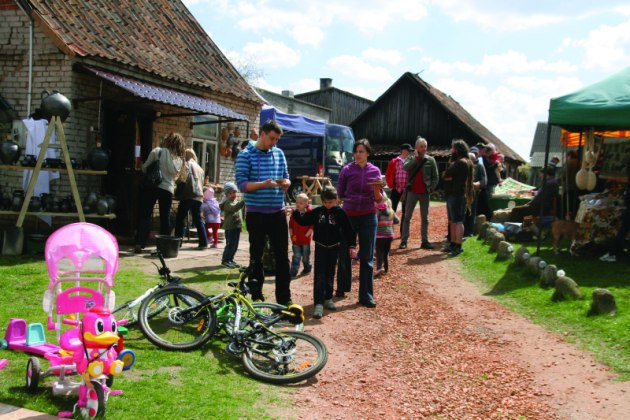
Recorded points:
(232, 237)
(365, 226)
(300, 252)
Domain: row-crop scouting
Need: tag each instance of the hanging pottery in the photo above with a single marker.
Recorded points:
(55, 104)
(102, 208)
(98, 159)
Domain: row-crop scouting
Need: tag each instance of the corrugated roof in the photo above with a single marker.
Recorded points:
(155, 36)
(458, 111)
(168, 96)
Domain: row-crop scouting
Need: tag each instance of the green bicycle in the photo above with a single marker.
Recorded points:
(264, 334)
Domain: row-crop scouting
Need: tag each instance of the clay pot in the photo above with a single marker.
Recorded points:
(17, 200)
(29, 160)
(98, 159)
(9, 152)
(90, 199)
(55, 104)
(111, 203)
(35, 204)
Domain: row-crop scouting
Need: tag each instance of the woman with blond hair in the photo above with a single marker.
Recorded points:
(191, 200)
(171, 157)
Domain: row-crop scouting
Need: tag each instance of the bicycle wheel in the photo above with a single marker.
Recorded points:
(126, 311)
(266, 311)
(174, 328)
(284, 358)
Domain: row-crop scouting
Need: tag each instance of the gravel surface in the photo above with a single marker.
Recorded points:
(436, 347)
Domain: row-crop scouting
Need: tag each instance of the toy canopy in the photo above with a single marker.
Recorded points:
(293, 123)
(603, 106)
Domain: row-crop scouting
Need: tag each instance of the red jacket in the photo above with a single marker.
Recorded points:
(298, 232)
(390, 173)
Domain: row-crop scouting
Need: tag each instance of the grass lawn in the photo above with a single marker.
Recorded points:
(607, 337)
(206, 383)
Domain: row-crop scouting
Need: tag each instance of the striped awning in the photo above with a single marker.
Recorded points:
(168, 96)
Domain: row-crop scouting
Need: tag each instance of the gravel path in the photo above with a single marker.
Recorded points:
(436, 347)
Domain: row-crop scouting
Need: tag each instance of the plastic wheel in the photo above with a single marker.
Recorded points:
(33, 373)
(95, 406)
(128, 358)
(175, 328)
(284, 358)
(3, 344)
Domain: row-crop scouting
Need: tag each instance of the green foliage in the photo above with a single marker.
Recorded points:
(607, 337)
(207, 383)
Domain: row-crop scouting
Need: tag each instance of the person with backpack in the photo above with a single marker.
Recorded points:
(191, 198)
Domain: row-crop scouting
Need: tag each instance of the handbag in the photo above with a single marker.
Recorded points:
(153, 177)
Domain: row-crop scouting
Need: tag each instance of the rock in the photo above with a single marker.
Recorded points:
(532, 264)
(603, 303)
(490, 234)
(484, 230)
(501, 216)
(481, 219)
(519, 256)
(498, 237)
(504, 250)
(566, 288)
(549, 276)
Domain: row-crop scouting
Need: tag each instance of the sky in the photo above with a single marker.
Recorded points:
(502, 60)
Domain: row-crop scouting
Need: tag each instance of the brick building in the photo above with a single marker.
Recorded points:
(134, 71)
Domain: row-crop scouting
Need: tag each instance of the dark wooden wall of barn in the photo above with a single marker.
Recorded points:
(406, 112)
(344, 107)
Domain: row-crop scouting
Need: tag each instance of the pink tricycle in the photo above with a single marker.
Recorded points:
(77, 255)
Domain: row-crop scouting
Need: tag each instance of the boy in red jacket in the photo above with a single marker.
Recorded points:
(301, 237)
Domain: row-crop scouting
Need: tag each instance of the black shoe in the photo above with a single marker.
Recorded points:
(305, 272)
(455, 252)
(403, 245)
(340, 294)
(426, 245)
(447, 248)
(368, 303)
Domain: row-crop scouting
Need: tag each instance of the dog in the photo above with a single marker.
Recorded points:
(560, 229)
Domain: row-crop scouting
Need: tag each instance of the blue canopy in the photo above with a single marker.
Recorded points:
(293, 123)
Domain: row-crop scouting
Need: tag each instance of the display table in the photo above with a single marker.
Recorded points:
(599, 219)
(499, 202)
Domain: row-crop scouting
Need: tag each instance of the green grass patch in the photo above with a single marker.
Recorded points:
(607, 337)
(207, 383)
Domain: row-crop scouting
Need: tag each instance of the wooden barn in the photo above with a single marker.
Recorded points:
(344, 106)
(412, 107)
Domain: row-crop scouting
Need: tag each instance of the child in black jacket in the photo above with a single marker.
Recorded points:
(329, 222)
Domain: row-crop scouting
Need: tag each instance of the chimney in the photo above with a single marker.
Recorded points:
(325, 83)
(287, 93)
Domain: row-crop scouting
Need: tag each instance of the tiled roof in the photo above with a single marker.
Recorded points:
(459, 112)
(160, 37)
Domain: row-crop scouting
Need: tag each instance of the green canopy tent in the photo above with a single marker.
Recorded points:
(603, 107)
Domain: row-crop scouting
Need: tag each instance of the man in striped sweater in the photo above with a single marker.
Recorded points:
(261, 174)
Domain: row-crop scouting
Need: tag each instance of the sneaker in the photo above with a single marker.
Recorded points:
(228, 264)
(318, 312)
(447, 248)
(368, 303)
(426, 245)
(455, 252)
(608, 258)
(340, 294)
(378, 272)
(403, 245)
(235, 264)
(329, 304)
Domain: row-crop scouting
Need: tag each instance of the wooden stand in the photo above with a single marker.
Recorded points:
(313, 185)
(56, 125)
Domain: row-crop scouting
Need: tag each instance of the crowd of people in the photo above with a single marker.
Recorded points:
(356, 221)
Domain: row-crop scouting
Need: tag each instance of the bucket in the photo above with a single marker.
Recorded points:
(168, 245)
(36, 243)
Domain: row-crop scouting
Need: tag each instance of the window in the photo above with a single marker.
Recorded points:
(205, 144)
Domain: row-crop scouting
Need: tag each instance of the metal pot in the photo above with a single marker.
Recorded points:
(98, 159)
(9, 152)
(55, 104)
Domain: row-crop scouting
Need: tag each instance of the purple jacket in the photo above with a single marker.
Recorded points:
(353, 189)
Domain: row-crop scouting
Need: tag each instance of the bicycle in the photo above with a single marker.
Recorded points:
(129, 310)
(270, 354)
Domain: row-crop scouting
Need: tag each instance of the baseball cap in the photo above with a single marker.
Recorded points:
(406, 146)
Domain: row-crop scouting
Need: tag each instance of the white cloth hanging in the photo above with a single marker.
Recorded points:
(36, 131)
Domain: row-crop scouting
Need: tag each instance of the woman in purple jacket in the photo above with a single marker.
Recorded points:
(359, 187)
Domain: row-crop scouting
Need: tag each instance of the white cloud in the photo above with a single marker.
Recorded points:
(606, 48)
(270, 54)
(510, 62)
(305, 85)
(357, 68)
(307, 35)
(389, 57)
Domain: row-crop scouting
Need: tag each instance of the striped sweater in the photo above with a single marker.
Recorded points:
(385, 227)
(255, 165)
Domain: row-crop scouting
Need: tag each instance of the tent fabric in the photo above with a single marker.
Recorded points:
(293, 123)
(604, 105)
